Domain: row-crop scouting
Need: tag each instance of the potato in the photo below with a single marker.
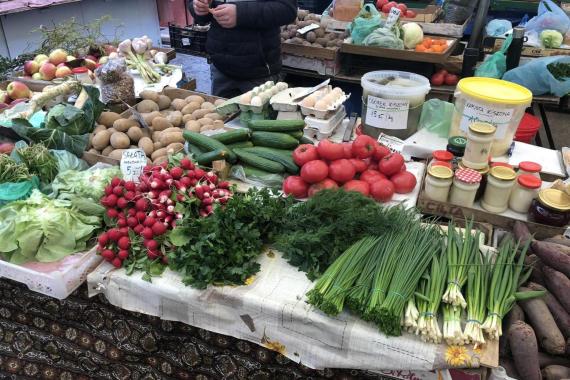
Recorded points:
(178, 104)
(99, 128)
(214, 116)
(117, 154)
(322, 41)
(146, 132)
(93, 151)
(157, 145)
(159, 160)
(108, 118)
(207, 106)
(187, 118)
(198, 114)
(175, 118)
(123, 125)
(190, 107)
(146, 145)
(135, 134)
(158, 153)
(163, 102)
(206, 121)
(192, 125)
(320, 33)
(174, 148)
(160, 124)
(195, 98)
(101, 140)
(208, 127)
(155, 136)
(120, 140)
(218, 124)
(107, 150)
(149, 117)
(147, 106)
(219, 102)
(150, 95)
(311, 36)
(171, 137)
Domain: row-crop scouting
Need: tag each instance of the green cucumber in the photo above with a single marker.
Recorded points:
(209, 157)
(241, 144)
(284, 157)
(208, 144)
(276, 125)
(251, 171)
(195, 150)
(274, 140)
(259, 162)
(306, 140)
(296, 134)
(230, 137)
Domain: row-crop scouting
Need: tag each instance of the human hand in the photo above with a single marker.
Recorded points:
(226, 15)
(201, 7)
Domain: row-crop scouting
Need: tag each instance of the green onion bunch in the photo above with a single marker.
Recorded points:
(478, 281)
(452, 331)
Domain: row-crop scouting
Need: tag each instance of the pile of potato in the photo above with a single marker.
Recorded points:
(166, 119)
(317, 38)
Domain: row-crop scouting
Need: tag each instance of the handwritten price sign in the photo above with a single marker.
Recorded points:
(387, 113)
(132, 163)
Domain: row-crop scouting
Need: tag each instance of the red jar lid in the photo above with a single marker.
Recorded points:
(442, 155)
(468, 175)
(531, 167)
(504, 164)
(529, 181)
(442, 163)
(80, 70)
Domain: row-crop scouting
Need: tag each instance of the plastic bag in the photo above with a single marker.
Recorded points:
(496, 28)
(436, 117)
(495, 65)
(549, 16)
(68, 161)
(14, 191)
(255, 177)
(536, 76)
(368, 20)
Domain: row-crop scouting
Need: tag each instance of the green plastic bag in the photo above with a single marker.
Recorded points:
(14, 191)
(495, 66)
(436, 117)
(367, 21)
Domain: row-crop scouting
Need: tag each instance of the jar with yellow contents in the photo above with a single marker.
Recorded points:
(465, 185)
(438, 182)
(478, 148)
(500, 182)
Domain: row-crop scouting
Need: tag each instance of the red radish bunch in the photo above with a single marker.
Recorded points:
(148, 208)
(364, 166)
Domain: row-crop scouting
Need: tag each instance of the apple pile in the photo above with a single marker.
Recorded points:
(364, 166)
(16, 92)
(384, 6)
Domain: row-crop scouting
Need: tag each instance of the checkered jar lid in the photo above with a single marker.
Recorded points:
(468, 175)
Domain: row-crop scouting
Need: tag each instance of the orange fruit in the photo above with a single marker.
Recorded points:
(420, 47)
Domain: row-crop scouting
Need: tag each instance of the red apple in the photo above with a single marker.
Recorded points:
(40, 58)
(90, 64)
(18, 90)
(62, 71)
(60, 65)
(4, 98)
(31, 67)
(58, 56)
(48, 71)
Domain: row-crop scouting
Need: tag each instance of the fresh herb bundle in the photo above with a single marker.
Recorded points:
(39, 161)
(11, 171)
(559, 70)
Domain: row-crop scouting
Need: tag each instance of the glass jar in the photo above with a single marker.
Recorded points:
(441, 163)
(483, 184)
(504, 164)
(500, 182)
(478, 149)
(81, 74)
(438, 182)
(465, 185)
(529, 167)
(551, 207)
(456, 145)
(523, 193)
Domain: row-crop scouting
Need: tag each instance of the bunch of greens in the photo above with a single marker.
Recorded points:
(39, 161)
(222, 249)
(42, 229)
(316, 232)
(11, 171)
(478, 281)
(559, 70)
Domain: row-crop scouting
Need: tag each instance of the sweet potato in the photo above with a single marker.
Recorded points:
(516, 314)
(559, 285)
(536, 276)
(553, 255)
(561, 317)
(556, 372)
(546, 360)
(525, 351)
(549, 336)
(521, 232)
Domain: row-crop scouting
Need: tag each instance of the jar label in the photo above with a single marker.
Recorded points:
(500, 118)
(387, 113)
(132, 163)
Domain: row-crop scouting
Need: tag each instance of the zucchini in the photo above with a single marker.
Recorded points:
(209, 157)
(274, 140)
(195, 150)
(250, 171)
(241, 144)
(284, 157)
(259, 162)
(230, 137)
(276, 125)
(208, 144)
(306, 140)
(296, 134)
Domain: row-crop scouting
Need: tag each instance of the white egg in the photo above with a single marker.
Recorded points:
(329, 99)
(245, 98)
(309, 101)
(266, 94)
(282, 86)
(256, 101)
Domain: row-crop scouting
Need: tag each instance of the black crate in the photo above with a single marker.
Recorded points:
(314, 6)
(188, 40)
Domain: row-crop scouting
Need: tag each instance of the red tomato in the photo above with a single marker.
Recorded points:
(314, 171)
(442, 71)
(326, 183)
(305, 153)
(381, 152)
(386, 7)
(451, 79)
(373, 166)
(410, 14)
(391, 164)
(437, 79)
(371, 176)
(359, 165)
(341, 170)
(347, 150)
(6, 148)
(295, 186)
(404, 182)
(382, 190)
(358, 186)
(330, 151)
(363, 147)
(380, 4)
(402, 7)
(403, 168)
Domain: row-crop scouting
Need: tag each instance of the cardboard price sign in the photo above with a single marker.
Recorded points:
(132, 163)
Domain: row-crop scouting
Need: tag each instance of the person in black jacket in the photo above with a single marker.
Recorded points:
(244, 42)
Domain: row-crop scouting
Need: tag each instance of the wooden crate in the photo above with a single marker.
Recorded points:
(309, 51)
(492, 45)
(425, 15)
(315, 65)
(444, 29)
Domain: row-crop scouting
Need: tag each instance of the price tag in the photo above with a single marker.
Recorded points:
(387, 113)
(393, 17)
(308, 28)
(499, 117)
(132, 163)
(391, 142)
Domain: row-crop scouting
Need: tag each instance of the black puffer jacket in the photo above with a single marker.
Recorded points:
(253, 48)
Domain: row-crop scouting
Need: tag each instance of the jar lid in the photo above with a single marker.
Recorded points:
(483, 171)
(440, 171)
(458, 142)
(529, 166)
(447, 164)
(529, 181)
(503, 173)
(482, 128)
(555, 199)
(442, 155)
(80, 70)
(503, 164)
(493, 90)
(468, 175)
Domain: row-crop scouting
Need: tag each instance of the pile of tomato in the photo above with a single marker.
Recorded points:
(384, 6)
(364, 166)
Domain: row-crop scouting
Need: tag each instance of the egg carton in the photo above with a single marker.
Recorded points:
(320, 129)
(330, 110)
(269, 89)
(283, 101)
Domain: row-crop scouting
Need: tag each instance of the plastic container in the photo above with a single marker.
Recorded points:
(392, 102)
(465, 185)
(525, 190)
(479, 140)
(529, 167)
(552, 207)
(528, 128)
(493, 101)
(322, 129)
(438, 182)
(346, 10)
(500, 182)
(81, 74)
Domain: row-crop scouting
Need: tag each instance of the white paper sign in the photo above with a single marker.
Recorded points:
(387, 113)
(132, 163)
(393, 16)
(393, 143)
(475, 111)
(308, 28)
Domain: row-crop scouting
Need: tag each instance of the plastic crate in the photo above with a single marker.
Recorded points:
(314, 6)
(188, 40)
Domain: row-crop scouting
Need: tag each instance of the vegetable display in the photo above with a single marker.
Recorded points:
(39, 161)
(11, 171)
